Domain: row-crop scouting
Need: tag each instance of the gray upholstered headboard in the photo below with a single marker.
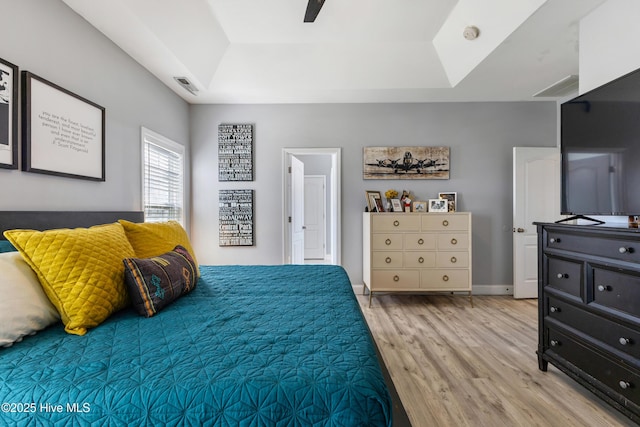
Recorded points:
(44, 220)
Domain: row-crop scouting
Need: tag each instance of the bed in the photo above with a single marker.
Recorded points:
(248, 345)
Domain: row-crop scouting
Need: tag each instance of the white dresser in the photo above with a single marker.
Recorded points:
(417, 252)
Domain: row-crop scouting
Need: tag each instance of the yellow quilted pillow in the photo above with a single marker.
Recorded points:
(80, 270)
(150, 239)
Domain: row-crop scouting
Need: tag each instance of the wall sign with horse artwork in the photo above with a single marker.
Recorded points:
(406, 163)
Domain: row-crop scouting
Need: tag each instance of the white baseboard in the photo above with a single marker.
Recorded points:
(477, 289)
(492, 290)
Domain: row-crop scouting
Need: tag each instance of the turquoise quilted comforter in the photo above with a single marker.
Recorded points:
(250, 346)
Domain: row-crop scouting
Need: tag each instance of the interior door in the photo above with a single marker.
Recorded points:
(297, 211)
(314, 216)
(536, 197)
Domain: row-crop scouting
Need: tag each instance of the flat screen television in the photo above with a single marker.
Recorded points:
(600, 146)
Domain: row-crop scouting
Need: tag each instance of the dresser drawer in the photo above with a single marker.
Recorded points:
(386, 241)
(386, 259)
(444, 222)
(393, 222)
(420, 259)
(601, 329)
(437, 279)
(453, 259)
(620, 249)
(419, 241)
(384, 280)
(617, 290)
(564, 275)
(448, 241)
(618, 378)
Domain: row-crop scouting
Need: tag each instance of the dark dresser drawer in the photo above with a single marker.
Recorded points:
(616, 289)
(564, 275)
(589, 308)
(615, 248)
(618, 378)
(602, 330)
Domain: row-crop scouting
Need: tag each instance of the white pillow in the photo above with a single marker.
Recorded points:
(24, 307)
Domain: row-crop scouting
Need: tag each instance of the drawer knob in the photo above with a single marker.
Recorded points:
(624, 341)
(387, 242)
(445, 278)
(554, 240)
(421, 241)
(445, 223)
(624, 250)
(454, 241)
(454, 260)
(603, 288)
(554, 343)
(396, 223)
(421, 260)
(563, 276)
(624, 384)
(388, 260)
(554, 309)
(396, 278)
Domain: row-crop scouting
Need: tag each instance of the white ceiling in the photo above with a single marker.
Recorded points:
(261, 51)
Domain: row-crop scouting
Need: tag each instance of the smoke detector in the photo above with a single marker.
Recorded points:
(185, 83)
(471, 32)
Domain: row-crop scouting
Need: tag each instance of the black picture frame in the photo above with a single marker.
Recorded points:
(63, 134)
(8, 115)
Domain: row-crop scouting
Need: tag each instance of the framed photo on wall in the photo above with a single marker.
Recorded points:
(62, 133)
(406, 162)
(8, 115)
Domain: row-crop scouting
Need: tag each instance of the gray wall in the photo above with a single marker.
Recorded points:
(480, 135)
(53, 42)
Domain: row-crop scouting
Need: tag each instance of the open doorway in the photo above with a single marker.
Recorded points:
(318, 162)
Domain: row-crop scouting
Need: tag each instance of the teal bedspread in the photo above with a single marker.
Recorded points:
(250, 346)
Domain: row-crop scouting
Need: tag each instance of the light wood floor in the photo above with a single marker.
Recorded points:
(454, 365)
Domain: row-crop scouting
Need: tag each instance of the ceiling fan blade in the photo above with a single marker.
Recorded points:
(313, 8)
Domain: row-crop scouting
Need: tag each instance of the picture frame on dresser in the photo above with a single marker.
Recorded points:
(438, 205)
(419, 206)
(451, 197)
(396, 205)
(8, 115)
(374, 201)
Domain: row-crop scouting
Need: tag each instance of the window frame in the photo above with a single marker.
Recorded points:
(147, 136)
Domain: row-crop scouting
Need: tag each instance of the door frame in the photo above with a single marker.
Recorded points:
(336, 198)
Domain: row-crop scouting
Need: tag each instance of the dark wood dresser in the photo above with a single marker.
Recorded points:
(589, 309)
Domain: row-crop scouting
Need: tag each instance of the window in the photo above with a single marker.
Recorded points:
(162, 178)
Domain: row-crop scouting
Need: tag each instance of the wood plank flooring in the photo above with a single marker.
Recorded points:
(454, 365)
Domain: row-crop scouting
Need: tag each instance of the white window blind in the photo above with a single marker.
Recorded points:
(163, 178)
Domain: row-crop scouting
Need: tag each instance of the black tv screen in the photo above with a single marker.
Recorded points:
(600, 146)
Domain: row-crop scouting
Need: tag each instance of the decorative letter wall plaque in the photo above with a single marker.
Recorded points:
(236, 217)
(235, 152)
(406, 163)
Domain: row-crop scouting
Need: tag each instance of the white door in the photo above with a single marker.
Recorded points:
(314, 216)
(297, 211)
(536, 197)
